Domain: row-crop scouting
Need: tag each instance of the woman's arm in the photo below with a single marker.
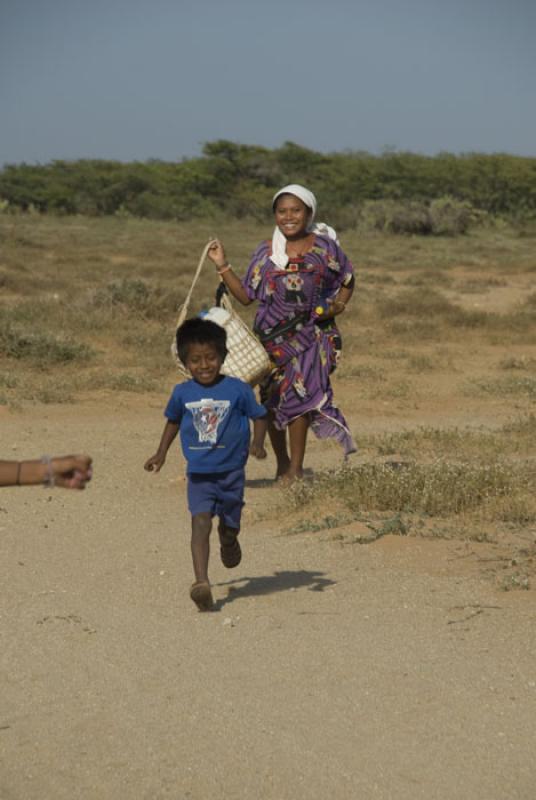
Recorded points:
(69, 472)
(339, 303)
(216, 254)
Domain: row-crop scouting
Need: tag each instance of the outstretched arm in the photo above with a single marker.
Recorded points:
(216, 254)
(69, 472)
(156, 462)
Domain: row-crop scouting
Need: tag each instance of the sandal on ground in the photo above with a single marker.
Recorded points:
(201, 595)
(230, 551)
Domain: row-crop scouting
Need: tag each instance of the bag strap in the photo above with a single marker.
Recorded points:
(184, 308)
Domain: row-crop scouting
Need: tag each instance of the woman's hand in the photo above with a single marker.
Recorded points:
(336, 306)
(216, 253)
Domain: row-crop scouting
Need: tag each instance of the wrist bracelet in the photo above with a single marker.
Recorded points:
(48, 480)
(225, 268)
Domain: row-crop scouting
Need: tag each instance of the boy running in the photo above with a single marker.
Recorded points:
(212, 412)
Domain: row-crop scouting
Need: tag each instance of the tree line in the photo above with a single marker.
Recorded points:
(239, 180)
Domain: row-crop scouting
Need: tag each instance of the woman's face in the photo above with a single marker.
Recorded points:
(291, 216)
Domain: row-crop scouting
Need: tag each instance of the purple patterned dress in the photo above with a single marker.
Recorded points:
(304, 350)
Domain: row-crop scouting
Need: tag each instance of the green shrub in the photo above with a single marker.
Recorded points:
(444, 216)
(391, 216)
(240, 179)
(41, 348)
(450, 217)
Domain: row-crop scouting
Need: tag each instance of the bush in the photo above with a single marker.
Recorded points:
(406, 184)
(450, 217)
(442, 217)
(392, 216)
(39, 347)
(137, 296)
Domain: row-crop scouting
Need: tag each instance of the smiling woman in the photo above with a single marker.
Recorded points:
(301, 280)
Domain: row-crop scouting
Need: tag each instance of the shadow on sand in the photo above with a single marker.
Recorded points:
(260, 483)
(268, 584)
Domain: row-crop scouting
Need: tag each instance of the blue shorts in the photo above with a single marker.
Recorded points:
(220, 494)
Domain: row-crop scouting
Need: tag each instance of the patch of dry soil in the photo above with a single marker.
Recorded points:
(388, 670)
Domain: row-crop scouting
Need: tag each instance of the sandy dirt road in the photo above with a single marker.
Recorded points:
(389, 670)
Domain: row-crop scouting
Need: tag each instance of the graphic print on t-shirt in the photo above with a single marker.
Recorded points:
(207, 416)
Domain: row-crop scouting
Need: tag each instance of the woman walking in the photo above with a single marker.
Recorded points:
(301, 280)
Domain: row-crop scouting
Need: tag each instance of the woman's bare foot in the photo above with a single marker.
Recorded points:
(283, 467)
(290, 476)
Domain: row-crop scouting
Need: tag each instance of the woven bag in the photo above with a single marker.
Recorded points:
(246, 358)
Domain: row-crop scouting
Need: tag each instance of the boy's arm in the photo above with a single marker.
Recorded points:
(260, 426)
(156, 462)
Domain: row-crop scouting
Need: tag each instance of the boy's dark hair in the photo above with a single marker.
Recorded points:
(200, 331)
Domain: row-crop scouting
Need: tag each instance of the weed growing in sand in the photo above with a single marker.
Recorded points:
(412, 314)
(136, 296)
(325, 523)
(361, 372)
(439, 489)
(515, 580)
(41, 349)
(124, 382)
(501, 387)
(518, 363)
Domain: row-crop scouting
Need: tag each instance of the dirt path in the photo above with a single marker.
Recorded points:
(381, 671)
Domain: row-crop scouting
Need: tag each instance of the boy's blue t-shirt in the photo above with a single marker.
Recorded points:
(214, 422)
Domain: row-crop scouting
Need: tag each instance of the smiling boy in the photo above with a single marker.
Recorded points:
(212, 412)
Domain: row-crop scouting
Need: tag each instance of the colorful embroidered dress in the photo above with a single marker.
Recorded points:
(304, 350)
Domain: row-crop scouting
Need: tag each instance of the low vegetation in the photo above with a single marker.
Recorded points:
(396, 192)
(441, 329)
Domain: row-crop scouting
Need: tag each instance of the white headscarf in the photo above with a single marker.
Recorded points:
(279, 240)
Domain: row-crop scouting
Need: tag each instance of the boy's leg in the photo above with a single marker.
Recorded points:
(230, 550)
(200, 590)
(201, 527)
(230, 504)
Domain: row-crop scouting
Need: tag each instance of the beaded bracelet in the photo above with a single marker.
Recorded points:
(48, 480)
(225, 268)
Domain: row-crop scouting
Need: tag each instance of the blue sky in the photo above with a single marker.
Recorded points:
(141, 79)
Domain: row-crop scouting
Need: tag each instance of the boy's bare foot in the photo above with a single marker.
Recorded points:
(230, 550)
(257, 450)
(201, 595)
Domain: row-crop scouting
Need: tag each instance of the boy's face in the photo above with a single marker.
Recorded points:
(204, 363)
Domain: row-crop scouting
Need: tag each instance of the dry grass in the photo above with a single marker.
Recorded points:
(437, 489)
(444, 328)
